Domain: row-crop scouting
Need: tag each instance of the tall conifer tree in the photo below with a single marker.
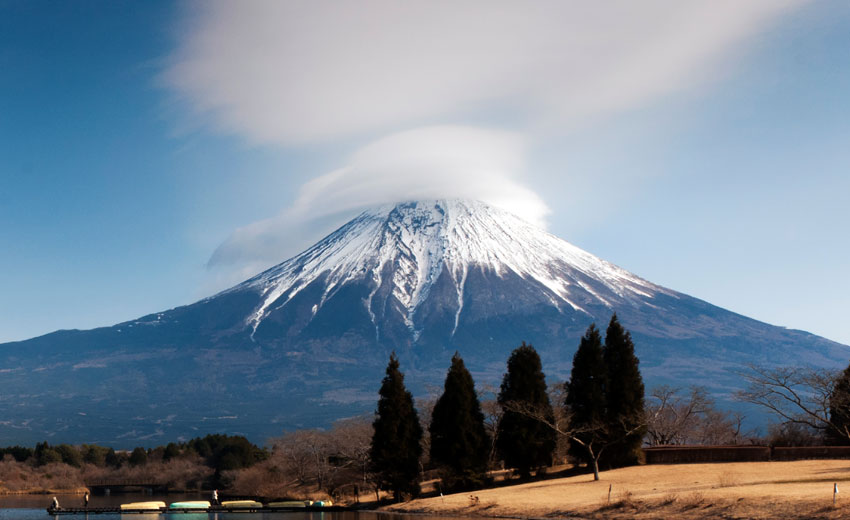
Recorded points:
(624, 396)
(838, 433)
(586, 402)
(459, 442)
(396, 442)
(523, 441)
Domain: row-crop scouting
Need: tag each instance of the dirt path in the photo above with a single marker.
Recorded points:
(800, 489)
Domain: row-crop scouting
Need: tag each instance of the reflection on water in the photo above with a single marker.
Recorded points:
(140, 516)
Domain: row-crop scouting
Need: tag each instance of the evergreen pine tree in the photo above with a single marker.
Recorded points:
(172, 451)
(525, 442)
(396, 447)
(459, 442)
(624, 396)
(138, 457)
(585, 400)
(838, 434)
(112, 459)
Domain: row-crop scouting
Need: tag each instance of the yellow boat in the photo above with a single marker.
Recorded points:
(241, 504)
(146, 506)
(288, 503)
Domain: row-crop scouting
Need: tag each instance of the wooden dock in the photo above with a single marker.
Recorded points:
(212, 509)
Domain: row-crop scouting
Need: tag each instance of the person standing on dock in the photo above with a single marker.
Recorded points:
(86, 500)
(215, 497)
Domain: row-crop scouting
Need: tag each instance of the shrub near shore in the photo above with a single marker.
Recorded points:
(59, 477)
(199, 463)
(312, 464)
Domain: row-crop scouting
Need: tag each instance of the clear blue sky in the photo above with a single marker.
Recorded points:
(707, 151)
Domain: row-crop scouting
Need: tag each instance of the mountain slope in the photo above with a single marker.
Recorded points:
(306, 341)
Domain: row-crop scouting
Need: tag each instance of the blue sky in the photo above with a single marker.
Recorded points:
(153, 153)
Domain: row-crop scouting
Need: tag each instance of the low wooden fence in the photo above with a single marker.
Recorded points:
(810, 452)
(695, 454)
(691, 454)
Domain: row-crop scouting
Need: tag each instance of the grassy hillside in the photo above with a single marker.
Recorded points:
(800, 489)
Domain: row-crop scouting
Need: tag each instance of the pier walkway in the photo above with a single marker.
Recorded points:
(212, 509)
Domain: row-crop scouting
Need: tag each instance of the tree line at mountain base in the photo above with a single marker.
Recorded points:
(600, 417)
(461, 439)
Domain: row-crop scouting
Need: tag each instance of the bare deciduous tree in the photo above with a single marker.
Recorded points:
(328, 460)
(722, 427)
(594, 438)
(677, 418)
(557, 395)
(791, 434)
(353, 440)
(425, 407)
(673, 418)
(291, 457)
(492, 415)
(798, 395)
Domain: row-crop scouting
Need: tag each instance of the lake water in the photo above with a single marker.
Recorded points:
(33, 507)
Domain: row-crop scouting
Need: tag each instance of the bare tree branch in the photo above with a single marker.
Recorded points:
(594, 438)
(674, 417)
(798, 395)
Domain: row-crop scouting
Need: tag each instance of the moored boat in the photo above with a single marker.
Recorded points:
(142, 506)
(241, 504)
(295, 504)
(192, 504)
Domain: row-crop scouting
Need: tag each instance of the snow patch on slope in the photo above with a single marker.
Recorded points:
(415, 242)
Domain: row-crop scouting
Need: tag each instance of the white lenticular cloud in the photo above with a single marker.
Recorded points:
(426, 163)
(429, 163)
(290, 72)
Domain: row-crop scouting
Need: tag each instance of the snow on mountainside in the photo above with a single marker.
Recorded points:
(408, 246)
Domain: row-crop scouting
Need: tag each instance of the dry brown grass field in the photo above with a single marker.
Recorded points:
(758, 490)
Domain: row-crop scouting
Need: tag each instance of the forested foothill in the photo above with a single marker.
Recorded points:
(468, 438)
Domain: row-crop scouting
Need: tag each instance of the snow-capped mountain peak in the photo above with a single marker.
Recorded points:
(406, 248)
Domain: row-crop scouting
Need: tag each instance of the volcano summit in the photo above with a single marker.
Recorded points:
(306, 341)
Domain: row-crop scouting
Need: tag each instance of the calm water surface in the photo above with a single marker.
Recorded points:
(33, 507)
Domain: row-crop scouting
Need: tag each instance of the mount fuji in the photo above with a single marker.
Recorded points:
(306, 341)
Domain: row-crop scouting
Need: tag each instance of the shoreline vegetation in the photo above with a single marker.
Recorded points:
(757, 490)
(732, 490)
(40, 492)
(301, 465)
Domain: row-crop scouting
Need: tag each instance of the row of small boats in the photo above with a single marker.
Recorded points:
(227, 504)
